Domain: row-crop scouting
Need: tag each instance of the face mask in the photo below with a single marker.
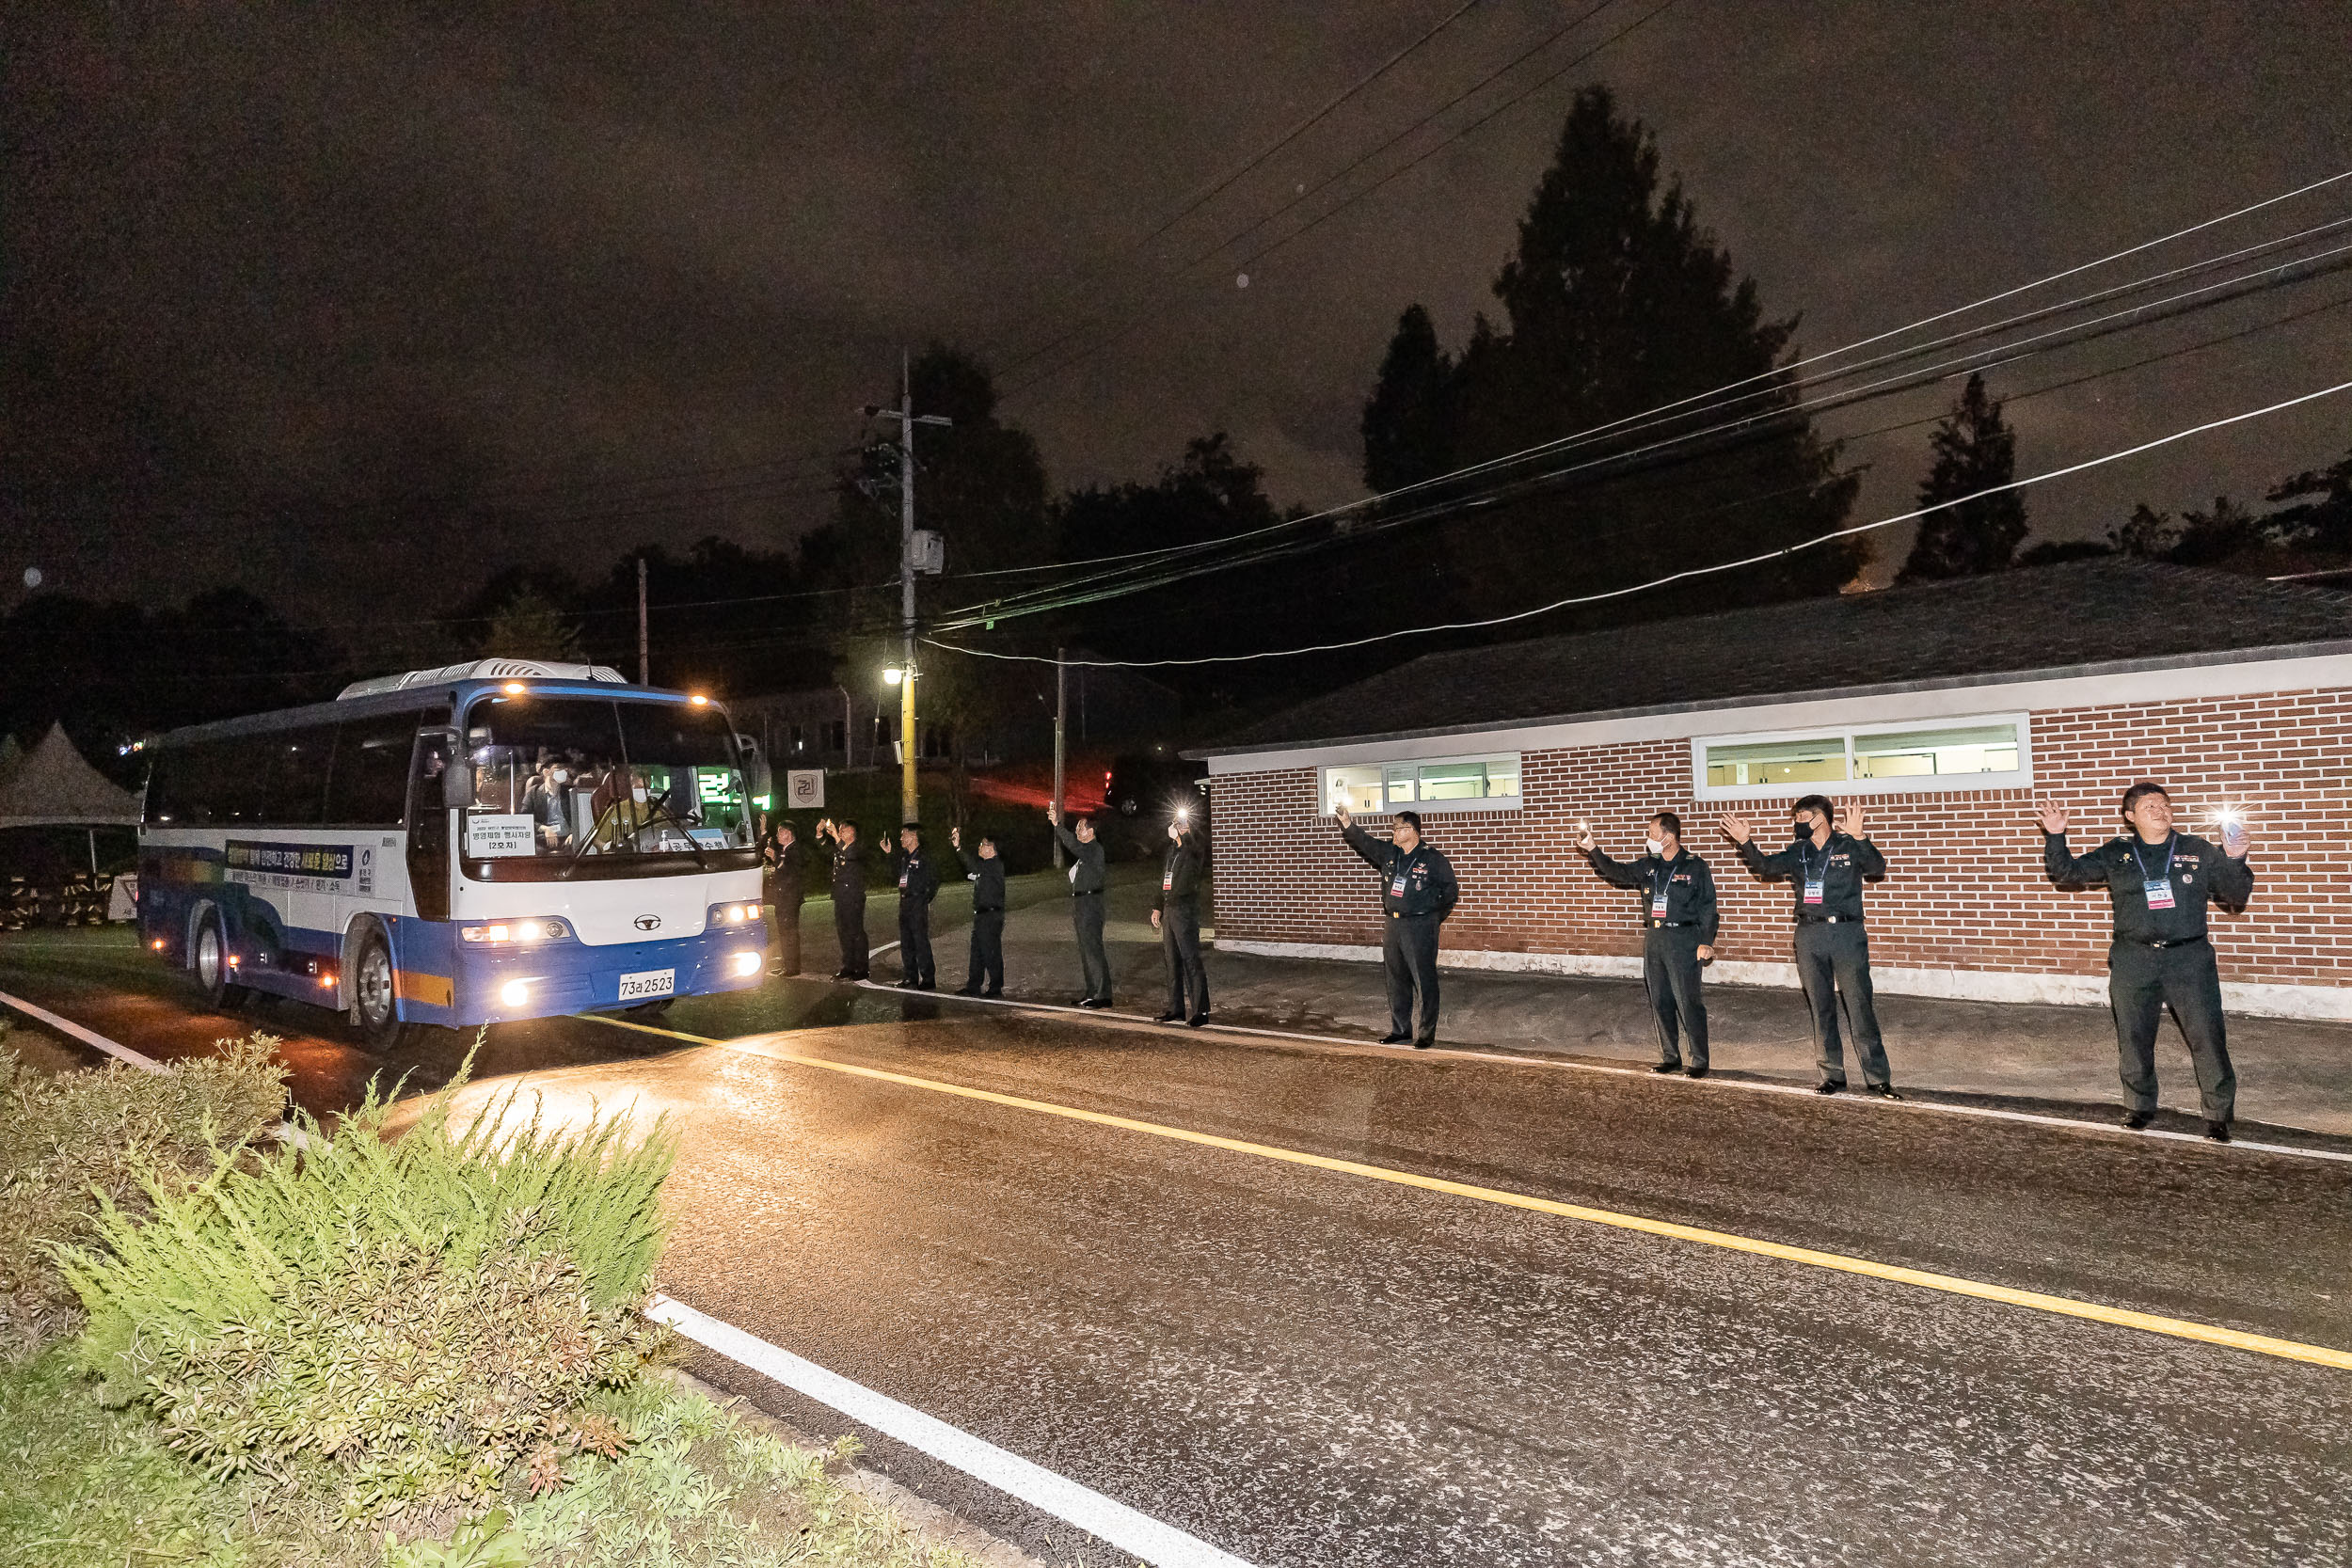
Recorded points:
(638, 796)
(1800, 832)
(560, 776)
(1657, 846)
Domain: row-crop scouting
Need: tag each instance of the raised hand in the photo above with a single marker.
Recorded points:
(1341, 811)
(1734, 828)
(2053, 818)
(1851, 813)
(2235, 842)
(1053, 815)
(1583, 835)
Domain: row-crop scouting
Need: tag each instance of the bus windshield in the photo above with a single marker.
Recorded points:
(568, 778)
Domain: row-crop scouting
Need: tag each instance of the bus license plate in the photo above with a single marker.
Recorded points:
(651, 982)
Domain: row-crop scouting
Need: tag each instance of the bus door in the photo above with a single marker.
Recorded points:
(428, 824)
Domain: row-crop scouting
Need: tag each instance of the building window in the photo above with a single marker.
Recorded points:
(836, 736)
(1961, 754)
(1450, 784)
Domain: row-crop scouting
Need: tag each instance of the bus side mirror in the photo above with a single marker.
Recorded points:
(758, 779)
(457, 785)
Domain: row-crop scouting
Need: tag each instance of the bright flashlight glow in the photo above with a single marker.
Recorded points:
(747, 963)
(699, 700)
(514, 992)
(893, 676)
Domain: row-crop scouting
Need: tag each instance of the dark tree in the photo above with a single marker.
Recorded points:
(1617, 304)
(2320, 509)
(2051, 552)
(2147, 533)
(1408, 420)
(1974, 450)
(2209, 538)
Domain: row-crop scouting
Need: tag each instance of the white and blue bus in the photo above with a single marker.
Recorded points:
(503, 839)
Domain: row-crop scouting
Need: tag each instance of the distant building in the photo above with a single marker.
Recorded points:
(1947, 708)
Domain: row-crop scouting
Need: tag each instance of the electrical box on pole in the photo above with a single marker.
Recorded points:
(930, 551)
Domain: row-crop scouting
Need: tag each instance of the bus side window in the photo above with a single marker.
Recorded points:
(428, 829)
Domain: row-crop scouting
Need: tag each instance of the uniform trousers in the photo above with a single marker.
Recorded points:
(914, 941)
(2142, 981)
(1834, 966)
(1086, 915)
(784, 937)
(1409, 953)
(849, 924)
(1180, 946)
(1670, 972)
(984, 972)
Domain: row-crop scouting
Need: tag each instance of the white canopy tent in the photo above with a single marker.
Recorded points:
(53, 788)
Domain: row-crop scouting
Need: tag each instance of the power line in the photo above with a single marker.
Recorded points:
(1686, 573)
(1256, 224)
(1053, 596)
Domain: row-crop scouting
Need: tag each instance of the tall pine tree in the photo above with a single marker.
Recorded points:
(1974, 451)
(1617, 304)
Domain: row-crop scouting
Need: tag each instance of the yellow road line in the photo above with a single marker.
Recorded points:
(2179, 1328)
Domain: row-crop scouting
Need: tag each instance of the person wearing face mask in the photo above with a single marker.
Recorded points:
(1086, 904)
(1176, 915)
(1826, 867)
(781, 859)
(849, 897)
(545, 802)
(984, 972)
(918, 885)
(1417, 891)
(1678, 920)
(2158, 882)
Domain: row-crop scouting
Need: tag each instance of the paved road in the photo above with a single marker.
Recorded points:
(1310, 1367)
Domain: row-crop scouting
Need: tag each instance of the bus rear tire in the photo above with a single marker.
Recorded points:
(374, 1006)
(208, 959)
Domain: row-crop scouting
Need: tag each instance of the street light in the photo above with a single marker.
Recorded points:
(893, 675)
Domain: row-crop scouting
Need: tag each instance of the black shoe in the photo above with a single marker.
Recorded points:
(905, 985)
(925, 985)
(860, 976)
(991, 993)
(967, 990)
(1825, 1087)
(843, 974)
(2134, 1120)
(2217, 1131)
(1094, 1002)
(1665, 1067)
(1881, 1091)
(1195, 1022)
(1695, 1071)
(1396, 1039)
(1169, 1016)
(1423, 1045)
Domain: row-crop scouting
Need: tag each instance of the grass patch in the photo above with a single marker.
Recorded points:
(699, 1485)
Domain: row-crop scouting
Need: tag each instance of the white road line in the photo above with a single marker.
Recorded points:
(1065, 1499)
(1451, 1052)
(87, 1036)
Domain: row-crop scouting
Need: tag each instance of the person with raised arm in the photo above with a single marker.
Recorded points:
(1678, 921)
(1086, 904)
(1826, 865)
(2158, 883)
(984, 971)
(1176, 915)
(1417, 891)
(849, 897)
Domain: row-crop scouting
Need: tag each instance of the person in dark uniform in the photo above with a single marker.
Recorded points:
(1826, 865)
(1417, 892)
(1679, 919)
(1176, 915)
(1086, 904)
(2159, 882)
(849, 897)
(780, 860)
(984, 973)
(918, 885)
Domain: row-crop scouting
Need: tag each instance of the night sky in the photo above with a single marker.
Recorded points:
(269, 268)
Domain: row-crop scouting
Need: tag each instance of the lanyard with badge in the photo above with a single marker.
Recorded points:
(1167, 877)
(1813, 882)
(2158, 889)
(1396, 884)
(1658, 894)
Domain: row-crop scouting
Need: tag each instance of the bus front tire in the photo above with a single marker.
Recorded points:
(374, 1010)
(208, 959)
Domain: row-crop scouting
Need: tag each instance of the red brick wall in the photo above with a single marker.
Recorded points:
(1964, 889)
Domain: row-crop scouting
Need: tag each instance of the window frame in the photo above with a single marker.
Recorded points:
(2021, 777)
(1388, 808)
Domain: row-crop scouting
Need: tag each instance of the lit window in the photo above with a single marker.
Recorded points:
(1459, 782)
(1963, 754)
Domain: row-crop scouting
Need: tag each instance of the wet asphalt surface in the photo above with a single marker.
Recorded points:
(1308, 1366)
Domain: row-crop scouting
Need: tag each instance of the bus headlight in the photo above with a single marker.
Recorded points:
(747, 963)
(514, 992)
(515, 930)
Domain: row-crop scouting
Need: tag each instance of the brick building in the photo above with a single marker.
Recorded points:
(1947, 710)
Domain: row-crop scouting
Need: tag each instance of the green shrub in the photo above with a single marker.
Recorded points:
(403, 1320)
(71, 1141)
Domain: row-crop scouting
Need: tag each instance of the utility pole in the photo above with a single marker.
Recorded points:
(904, 675)
(1061, 732)
(645, 668)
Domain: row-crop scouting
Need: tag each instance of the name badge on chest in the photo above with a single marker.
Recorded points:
(1168, 881)
(1396, 887)
(1658, 906)
(1813, 890)
(2159, 893)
